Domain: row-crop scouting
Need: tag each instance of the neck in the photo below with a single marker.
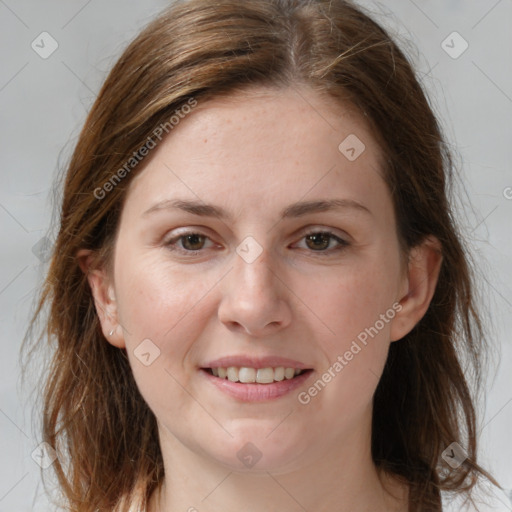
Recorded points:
(342, 479)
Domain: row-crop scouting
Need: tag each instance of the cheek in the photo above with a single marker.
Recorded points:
(359, 309)
(159, 303)
(348, 301)
(355, 306)
(162, 312)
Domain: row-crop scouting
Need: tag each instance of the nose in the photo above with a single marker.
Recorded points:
(255, 298)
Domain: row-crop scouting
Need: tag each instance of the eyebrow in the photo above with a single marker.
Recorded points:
(294, 210)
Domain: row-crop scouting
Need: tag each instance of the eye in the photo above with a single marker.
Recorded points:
(191, 242)
(319, 241)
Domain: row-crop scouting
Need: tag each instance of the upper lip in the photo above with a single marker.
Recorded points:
(255, 362)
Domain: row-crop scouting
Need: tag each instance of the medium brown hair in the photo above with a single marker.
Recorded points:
(93, 413)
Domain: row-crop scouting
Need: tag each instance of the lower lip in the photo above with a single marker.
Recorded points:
(254, 392)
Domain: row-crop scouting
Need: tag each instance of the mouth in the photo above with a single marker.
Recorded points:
(250, 384)
(250, 378)
(248, 375)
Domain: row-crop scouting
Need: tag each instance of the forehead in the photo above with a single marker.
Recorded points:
(274, 144)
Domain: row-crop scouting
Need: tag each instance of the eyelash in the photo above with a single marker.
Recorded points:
(341, 243)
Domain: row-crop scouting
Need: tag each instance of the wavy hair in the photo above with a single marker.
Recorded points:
(93, 413)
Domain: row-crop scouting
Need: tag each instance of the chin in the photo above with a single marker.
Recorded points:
(256, 451)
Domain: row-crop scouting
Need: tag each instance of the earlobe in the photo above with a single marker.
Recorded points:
(423, 270)
(104, 297)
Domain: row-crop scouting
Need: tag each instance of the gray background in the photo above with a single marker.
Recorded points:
(44, 103)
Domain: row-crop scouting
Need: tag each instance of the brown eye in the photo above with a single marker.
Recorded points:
(193, 242)
(187, 243)
(320, 242)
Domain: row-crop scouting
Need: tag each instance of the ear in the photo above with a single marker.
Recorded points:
(104, 297)
(418, 287)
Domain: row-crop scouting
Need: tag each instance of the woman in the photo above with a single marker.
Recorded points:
(258, 294)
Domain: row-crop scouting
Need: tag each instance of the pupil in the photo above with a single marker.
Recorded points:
(194, 239)
(322, 237)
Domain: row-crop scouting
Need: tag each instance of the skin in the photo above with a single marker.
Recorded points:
(292, 301)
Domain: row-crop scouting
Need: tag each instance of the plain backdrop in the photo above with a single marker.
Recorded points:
(44, 102)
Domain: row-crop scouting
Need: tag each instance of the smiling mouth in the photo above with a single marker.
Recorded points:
(247, 375)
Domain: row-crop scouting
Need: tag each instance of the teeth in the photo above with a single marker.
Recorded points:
(247, 375)
(279, 373)
(233, 374)
(263, 375)
(289, 373)
(260, 375)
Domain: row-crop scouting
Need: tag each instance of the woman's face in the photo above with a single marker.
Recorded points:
(254, 287)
